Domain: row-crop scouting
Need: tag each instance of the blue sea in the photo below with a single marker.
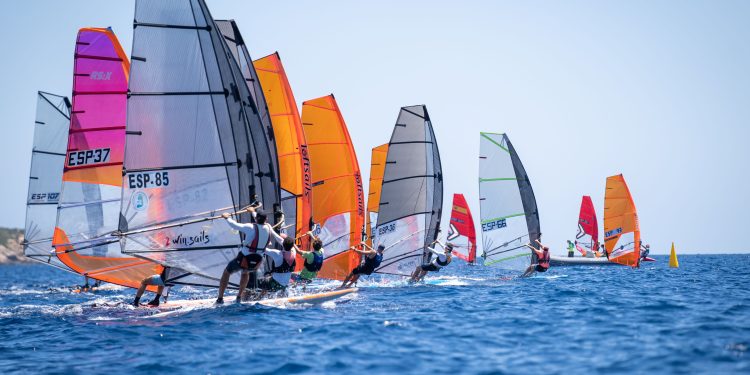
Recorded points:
(468, 319)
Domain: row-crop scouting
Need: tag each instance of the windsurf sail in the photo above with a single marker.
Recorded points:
(291, 146)
(461, 232)
(337, 200)
(88, 211)
(621, 233)
(588, 228)
(507, 206)
(196, 145)
(45, 178)
(377, 168)
(411, 197)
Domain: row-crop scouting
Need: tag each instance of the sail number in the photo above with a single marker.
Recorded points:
(492, 225)
(148, 180)
(87, 157)
(386, 229)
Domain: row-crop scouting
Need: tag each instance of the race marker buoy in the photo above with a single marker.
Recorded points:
(673, 263)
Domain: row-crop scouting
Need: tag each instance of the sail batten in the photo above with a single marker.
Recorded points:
(411, 193)
(508, 212)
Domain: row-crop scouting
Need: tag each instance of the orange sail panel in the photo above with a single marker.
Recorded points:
(377, 168)
(622, 235)
(338, 201)
(90, 201)
(291, 146)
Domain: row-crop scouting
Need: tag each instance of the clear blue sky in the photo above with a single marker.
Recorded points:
(656, 90)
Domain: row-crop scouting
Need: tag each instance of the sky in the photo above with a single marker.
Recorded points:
(656, 90)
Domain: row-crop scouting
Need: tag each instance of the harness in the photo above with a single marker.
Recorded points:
(253, 246)
(373, 262)
(442, 264)
(544, 260)
(317, 262)
(284, 267)
(251, 261)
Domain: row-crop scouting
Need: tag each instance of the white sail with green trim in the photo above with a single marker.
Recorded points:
(507, 205)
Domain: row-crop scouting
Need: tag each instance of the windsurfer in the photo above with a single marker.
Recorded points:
(372, 259)
(158, 280)
(542, 256)
(645, 249)
(313, 260)
(571, 249)
(257, 237)
(280, 265)
(441, 260)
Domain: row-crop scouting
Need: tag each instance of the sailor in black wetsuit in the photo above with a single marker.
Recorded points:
(372, 259)
(441, 260)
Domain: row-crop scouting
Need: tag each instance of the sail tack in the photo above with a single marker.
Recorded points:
(89, 205)
(338, 201)
(461, 232)
(196, 145)
(622, 235)
(45, 178)
(291, 145)
(588, 228)
(507, 205)
(411, 196)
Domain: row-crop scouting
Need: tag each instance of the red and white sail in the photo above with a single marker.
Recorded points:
(587, 238)
(461, 232)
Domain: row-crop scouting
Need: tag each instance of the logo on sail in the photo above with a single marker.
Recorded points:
(494, 224)
(139, 201)
(88, 157)
(613, 232)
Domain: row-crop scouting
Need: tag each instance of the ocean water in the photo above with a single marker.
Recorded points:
(469, 319)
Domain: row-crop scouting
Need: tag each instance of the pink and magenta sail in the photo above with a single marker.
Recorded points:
(89, 208)
(587, 238)
(461, 232)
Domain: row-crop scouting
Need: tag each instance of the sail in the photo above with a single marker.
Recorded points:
(88, 211)
(588, 228)
(461, 232)
(621, 233)
(507, 206)
(291, 146)
(196, 145)
(338, 201)
(377, 168)
(411, 197)
(45, 178)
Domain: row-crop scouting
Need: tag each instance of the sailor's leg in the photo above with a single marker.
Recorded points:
(245, 276)
(139, 293)
(223, 285)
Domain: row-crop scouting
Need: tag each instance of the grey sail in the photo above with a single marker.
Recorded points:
(45, 178)
(196, 146)
(411, 198)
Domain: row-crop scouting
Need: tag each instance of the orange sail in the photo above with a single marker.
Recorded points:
(377, 168)
(294, 161)
(338, 201)
(89, 205)
(622, 236)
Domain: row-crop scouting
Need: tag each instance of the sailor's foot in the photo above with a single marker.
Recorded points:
(137, 302)
(154, 302)
(220, 301)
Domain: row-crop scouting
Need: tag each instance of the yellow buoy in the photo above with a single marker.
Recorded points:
(673, 263)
